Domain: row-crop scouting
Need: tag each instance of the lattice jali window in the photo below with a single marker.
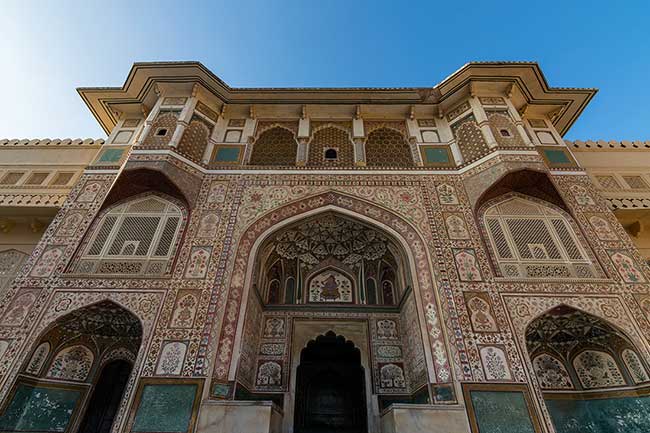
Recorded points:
(195, 139)
(532, 240)
(331, 138)
(138, 237)
(274, 146)
(386, 147)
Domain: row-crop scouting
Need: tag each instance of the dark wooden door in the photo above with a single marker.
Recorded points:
(106, 398)
(330, 393)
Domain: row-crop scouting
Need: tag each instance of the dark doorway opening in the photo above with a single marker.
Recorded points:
(106, 398)
(330, 391)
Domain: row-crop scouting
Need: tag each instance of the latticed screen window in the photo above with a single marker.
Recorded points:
(137, 237)
(532, 240)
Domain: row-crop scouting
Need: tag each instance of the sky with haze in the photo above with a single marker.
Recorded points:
(49, 48)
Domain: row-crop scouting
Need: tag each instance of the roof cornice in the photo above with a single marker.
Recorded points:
(526, 76)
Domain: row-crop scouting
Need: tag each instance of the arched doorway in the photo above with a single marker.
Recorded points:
(106, 397)
(330, 390)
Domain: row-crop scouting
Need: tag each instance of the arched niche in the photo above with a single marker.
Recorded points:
(583, 365)
(62, 385)
(274, 146)
(163, 178)
(331, 257)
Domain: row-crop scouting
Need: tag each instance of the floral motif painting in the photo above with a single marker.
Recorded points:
(386, 329)
(551, 372)
(208, 225)
(626, 267)
(197, 265)
(274, 327)
(597, 369)
(38, 358)
(172, 357)
(456, 227)
(89, 192)
(602, 228)
(480, 312)
(19, 307)
(447, 194)
(495, 363)
(72, 363)
(48, 262)
(184, 310)
(467, 265)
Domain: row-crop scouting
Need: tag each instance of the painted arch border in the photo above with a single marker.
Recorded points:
(408, 237)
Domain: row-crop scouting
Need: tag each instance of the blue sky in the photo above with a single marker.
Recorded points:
(49, 48)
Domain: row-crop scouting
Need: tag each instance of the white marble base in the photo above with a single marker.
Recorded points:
(239, 417)
(413, 418)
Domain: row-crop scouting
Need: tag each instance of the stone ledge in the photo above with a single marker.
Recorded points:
(5, 142)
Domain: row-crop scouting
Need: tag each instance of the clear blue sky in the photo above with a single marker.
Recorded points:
(49, 48)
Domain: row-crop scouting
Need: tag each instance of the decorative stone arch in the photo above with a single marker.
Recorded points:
(330, 267)
(312, 152)
(408, 156)
(253, 158)
(143, 306)
(165, 179)
(523, 310)
(527, 182)
(420, 266)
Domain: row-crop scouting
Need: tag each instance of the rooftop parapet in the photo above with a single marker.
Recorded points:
(52, 142)
(602, 144)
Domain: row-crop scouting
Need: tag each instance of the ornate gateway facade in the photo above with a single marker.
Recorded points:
(314, 260)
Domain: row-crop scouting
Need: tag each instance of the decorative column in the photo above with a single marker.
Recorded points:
(358, 138)
(413, 131)
(519, 123)
(219, 128)
(150, 118)
(303, 138)
(184, 118)
(446, 136)
(483, 123)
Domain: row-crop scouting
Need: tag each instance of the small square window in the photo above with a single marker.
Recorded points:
(330, 154)
(161, 132)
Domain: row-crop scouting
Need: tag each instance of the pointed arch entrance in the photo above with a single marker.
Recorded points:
(330, 391)
(391, 326)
